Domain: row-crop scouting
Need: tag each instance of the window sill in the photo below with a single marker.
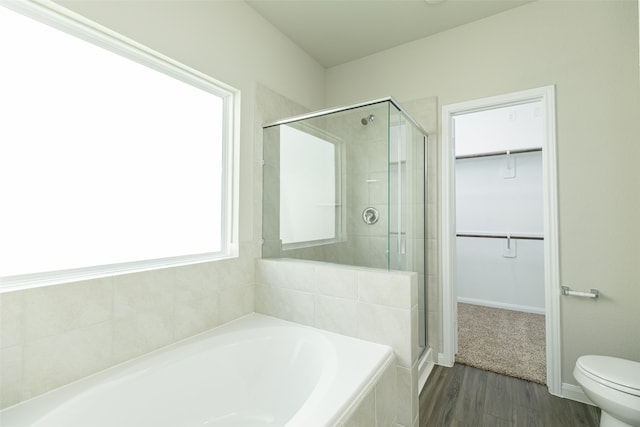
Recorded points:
(28, 281)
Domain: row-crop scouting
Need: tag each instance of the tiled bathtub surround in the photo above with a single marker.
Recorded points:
(254, 365)
(375, 305)
(377, 407)
(54, 335)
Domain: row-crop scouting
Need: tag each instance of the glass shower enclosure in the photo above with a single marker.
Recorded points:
(347, 186)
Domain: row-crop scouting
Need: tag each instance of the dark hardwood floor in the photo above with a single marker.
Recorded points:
(463, 396)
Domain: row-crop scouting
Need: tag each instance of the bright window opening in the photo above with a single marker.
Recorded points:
(105, 161)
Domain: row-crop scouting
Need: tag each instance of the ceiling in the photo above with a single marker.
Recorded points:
(338, 31)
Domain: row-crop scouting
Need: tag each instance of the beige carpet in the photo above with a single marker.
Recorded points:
(503, 341)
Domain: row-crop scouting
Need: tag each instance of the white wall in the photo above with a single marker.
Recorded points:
(514, 127)
(589, 50)
(488, 203)
(53, 335)
(486, 277)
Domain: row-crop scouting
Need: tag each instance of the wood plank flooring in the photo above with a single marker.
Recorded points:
(463, 396)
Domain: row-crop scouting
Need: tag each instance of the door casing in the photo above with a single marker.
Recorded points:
(546, 95)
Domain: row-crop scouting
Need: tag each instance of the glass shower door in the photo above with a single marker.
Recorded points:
(407, 205)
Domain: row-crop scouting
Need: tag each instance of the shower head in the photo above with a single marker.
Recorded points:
(366, 120)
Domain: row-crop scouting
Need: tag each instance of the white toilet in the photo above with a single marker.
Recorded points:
(614, 385)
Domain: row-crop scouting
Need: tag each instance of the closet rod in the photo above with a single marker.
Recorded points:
(500, 236)
(498, 153)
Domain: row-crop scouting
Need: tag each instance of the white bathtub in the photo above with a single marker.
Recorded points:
(255, 371)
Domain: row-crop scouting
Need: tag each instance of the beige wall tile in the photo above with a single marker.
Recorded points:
(11, 374)
(365, 414)
(387, 397)
(337, 315)
(337, 282)
(53, 310)
(141, 333)
(286, 274)
(387, 325)
(11, 319)
(300, 306)
(286, 304)
(196, 309)
(407, 404)
(415, 329)
(267, 301)
(59, 359)
(208, 273)
(433, 331)
(236, 302)
(393, 290)
(152, 291)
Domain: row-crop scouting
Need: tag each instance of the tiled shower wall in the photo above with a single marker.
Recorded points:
(364, 168)
(366, 245)
(370, 304)
(51, 336)
(365, 182)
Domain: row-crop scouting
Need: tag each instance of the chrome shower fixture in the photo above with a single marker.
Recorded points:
(370, 215)
(366, 120)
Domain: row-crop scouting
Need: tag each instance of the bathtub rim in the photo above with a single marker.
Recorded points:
(52, 399)
(349, 408)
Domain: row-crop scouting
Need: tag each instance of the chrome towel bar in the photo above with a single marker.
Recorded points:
(501, 236)
(593, 293)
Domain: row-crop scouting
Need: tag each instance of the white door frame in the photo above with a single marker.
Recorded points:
(448, 227)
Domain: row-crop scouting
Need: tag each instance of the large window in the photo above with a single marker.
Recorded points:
(109, 162)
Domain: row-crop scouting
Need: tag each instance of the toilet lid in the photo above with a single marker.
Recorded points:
(621, 374)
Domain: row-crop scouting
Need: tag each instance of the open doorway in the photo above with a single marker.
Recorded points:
(493, 221)
(500, 240)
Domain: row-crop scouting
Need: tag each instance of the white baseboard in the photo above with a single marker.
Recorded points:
(502, 305)
(444, 361)
(574, 392)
